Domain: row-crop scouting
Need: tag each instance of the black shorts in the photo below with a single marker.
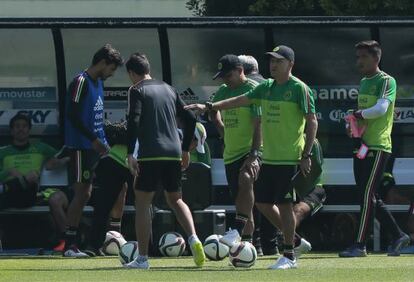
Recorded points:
(20, 195)
(155, 175)
(315, 199)
(232, 175)
(81, 165)
(274, 184)
(109, 173)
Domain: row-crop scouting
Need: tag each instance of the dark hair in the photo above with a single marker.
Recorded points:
(138, 63)
(116, 133)
(109, 54)
(20, 116)
(372, 46)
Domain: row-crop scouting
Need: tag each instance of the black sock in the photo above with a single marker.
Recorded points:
(296, 240)
(288, 252)
(70, 236)
(247, 238)
(240, 222)
(360, 245)
(114, 224)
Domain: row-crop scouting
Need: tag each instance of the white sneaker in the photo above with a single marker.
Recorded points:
(303, 248)
(137, 264)
(230, 238)
(284, 263)
(74, 252)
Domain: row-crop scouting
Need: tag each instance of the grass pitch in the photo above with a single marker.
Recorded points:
(312, 267)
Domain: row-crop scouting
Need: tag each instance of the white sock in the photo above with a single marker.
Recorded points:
(192, 239)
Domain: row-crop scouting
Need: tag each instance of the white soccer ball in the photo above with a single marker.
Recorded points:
(214, 249)
(113, 243)
(171, 244)
(243, 254)
(128, 252)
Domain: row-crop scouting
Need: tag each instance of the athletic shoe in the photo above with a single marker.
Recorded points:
(60, 247)
(230, 238)
(138, 263)
(398, 244)
(408, 250)
(74, 252)
(284, 263)
(198, 253)
(303, 248)
(353, 251)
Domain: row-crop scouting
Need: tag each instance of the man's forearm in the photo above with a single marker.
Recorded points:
(311, 129)
(257, 134)
(231, 103)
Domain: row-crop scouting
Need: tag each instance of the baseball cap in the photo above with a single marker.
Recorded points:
(282, 52)
(201, 134)
(226, 64)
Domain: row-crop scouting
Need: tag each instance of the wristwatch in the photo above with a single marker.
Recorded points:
(209, 106)
(254, 153)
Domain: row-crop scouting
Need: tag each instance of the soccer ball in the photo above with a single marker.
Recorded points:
(243, 254)
(113, 242)
(128, 252)
(171, 244)
(214, 249)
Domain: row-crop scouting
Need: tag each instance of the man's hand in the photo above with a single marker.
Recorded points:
(305, 166)
(32, 177)
(100, 147)
(133, 165)
(185, 160)
(348, 130)
(198, 108)
(251, 165)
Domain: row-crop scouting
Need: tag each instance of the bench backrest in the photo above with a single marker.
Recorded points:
(336, 171)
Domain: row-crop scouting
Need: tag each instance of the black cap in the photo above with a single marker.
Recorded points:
(226, 64)
(282, 52)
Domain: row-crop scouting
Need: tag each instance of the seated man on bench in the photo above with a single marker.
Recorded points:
(21, 164)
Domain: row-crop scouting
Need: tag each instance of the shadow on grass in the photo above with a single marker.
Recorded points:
(153, 269)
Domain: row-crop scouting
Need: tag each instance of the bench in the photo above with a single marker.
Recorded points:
(336, 172)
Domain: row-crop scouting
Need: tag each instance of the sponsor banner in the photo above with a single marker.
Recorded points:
(336, 92)
(196, 94)
(405, 92)
(28, 94)
(39, 117)
(404, 115)
(116, 93)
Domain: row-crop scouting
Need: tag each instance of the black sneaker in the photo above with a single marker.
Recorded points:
(93, 252)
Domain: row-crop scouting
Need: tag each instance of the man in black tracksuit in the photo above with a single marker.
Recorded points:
(152, 110)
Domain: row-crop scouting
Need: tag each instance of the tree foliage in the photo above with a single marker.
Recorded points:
(301, 7)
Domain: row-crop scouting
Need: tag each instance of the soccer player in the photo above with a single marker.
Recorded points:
(287, 105)
(84, 135)
(21, 164)
(376, 100)
(240, 129)
(152, 110)
(265, 233)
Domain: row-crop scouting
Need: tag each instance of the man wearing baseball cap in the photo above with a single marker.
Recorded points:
(240, 129)
(288, 108)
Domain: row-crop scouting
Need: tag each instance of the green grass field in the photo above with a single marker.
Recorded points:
(312, 267)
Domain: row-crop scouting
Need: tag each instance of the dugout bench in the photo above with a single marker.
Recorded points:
(336, 172)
